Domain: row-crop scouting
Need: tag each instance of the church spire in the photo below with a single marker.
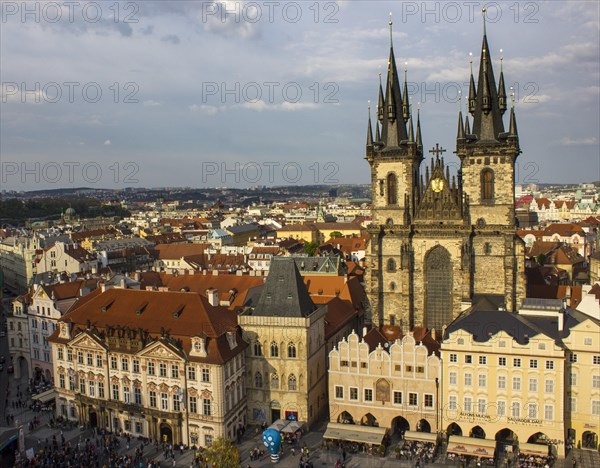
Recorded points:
(405, 104)
(460, 134)
(419, 137)
(380, 103)
(472, 94)
(467, 126)
(369, 129)
(501, 88)
(512, 130)
(411, 133)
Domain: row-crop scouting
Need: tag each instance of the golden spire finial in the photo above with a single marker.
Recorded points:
(459, 100)
(512, 97)
(391, 23)
(483, 10)
(369, 106)
(405, 71)
(471, 61)
(501, 59)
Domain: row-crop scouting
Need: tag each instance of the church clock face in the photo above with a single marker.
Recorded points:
(437, 185)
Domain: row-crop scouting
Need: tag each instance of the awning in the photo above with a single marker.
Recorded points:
(420, 436)
(355, 433)
(7, 436)
(541, 450)
(471, 446)
(279, 425)
(292, 427)
(45, 397)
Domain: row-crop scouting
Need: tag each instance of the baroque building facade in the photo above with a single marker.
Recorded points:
(437, 241)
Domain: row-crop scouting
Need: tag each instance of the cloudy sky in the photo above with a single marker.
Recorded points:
(238, 93)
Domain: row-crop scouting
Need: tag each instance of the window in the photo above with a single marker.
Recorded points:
(343, 363)
(71, 383)
(191, 373)
(572, 379)
(152, 396)
(481, 406)
(206, 407)
(428, 401)
(501, 408)
(483, 360)
(125, 364)
(572, 357)
(292, 382)
(291, 350)
(549, 386)
(397, 398)
(138, 427)
(596, 360)
(549, 365)
(468, 359)
(368, 394)
(113, 362)
(126, 397)
(339, 392)
(596, 381)
(517, 362)
(487, 185)
(205, 375)
(79, 357)
(162, 370)
(274, 381)
(516, 409)
(193, 404)
(532, 413)
(257, 349)
(392, 192)
(541, 345)
(151, 370)
(548, 412)
(572, 404)
(115, 391)
(136, 366)
(164, 402)
(453, 378)
(100, 390)
(517, 383)
(98, 360)
(533, 385)
(176, 403)
(452, 403)
(502, 361)
(482, 380)
(468, 379)
(596, 407)
(502, 344)
(501, 381)
(453, 357)
(258, 380)
(533, 363)
(208, 440)
(61, 380)
(60, 353)
(175, 371)
(274, 350)
(137, 396)
(468, 404)
(91, 389)
(391, 265)
(354, 393)
(413, 399)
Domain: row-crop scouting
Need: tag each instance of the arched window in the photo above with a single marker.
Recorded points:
(258, 380)
(257, 349)
(291, 350)
(392, 189)
(392, 286)
(274, 350)
(391, 265)
(487, 248)
(438, 295)
(274, 381)
(487, 185)
(292, 382)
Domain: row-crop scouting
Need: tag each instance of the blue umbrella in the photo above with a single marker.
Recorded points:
(272, 440)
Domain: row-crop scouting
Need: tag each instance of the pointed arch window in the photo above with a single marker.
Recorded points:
(274, 350)
(292, 382)
(274, 381)
(291, 350)
(392, 189)
(257, 349)
(258, 380)
(487, 185)
(391, 265)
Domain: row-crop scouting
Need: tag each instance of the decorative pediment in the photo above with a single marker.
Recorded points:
(137, 384)
(64, 331)
(198, 346)
(163, 387)
(152, 386)
(114, 380)
(158, 350)
(206, 394)
(193, 392)
(85, 340)
(439, 200)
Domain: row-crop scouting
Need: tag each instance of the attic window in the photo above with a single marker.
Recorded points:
(178, 312)
(107, 306)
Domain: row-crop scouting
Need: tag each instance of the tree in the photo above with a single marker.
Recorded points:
(335, 234)
(310, 248)
(223, 453)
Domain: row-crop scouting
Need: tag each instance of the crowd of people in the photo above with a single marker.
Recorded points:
(531, 461)
(422, 452)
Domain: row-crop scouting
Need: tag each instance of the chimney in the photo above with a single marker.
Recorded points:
(364, 331)
(103, 287)
(561, 320)
(213, 296)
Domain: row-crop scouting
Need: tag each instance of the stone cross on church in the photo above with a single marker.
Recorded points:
(437, 150)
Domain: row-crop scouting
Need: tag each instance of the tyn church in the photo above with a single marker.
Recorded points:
(438, 243)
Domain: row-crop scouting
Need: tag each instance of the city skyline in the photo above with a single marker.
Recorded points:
(194, 116)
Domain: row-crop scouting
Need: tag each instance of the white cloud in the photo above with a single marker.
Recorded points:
(205, 109)
(107, 143)
(568, 141)
(151, 103)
